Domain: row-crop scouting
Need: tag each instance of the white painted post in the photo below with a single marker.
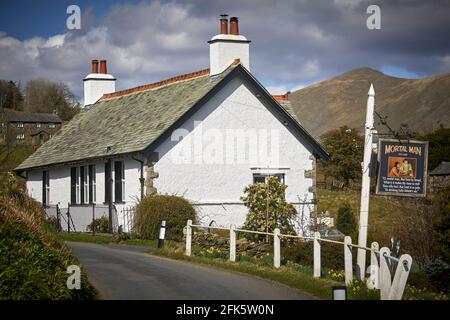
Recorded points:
(348, 260)
(385, 273)
(276, 248)
(374, 268)
(316, 255)
(232, 243)
(188, 237)
(400, 278)
(365, 187)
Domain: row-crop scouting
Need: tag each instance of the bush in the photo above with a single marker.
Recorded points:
(345, 221)
(154, 208)
(438, 273)
(100, 225)
(33, 261)
(267, 208)
(442, 225)
(332, 254)
(54, 223)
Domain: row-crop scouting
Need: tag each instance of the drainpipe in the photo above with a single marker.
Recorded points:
(141, 179)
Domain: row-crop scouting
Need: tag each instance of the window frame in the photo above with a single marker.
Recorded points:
(74, 185)
(281, 176)
(45, 187)
(92, 184)
(119, 181)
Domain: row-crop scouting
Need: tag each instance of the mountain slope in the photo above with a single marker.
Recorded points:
(423, 104)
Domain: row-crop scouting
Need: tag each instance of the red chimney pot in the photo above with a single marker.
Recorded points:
(103, 67)
(234, 26)
(94, 66)
(223, 24)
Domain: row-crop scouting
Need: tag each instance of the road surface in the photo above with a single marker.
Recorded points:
(126, 272)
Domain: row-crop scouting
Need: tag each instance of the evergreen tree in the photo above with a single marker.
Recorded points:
(345, 221)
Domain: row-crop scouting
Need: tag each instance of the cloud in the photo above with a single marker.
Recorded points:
(294, 43)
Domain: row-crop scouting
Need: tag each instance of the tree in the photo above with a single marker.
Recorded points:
(268, 208)
(10, 95)
(345, 221)
(44, 96)
(345, 147)
(438, 146)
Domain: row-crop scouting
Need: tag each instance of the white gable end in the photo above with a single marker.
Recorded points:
(231, 138)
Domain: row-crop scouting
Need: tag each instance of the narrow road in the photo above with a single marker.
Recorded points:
(125, 272)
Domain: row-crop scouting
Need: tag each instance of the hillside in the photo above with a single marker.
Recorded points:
(423, 104)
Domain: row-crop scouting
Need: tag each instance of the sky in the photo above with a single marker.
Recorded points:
(295, 43)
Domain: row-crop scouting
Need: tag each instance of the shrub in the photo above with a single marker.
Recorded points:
(438, 273)
(267, 207)
(154, 208)
(332, 254)
(100, 225)
(345, 221)
(442, 225)
(33, 261)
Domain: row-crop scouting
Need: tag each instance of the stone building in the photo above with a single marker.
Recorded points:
(20, 128)
(440, 176)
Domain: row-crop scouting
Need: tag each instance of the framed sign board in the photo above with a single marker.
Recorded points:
(402, 168)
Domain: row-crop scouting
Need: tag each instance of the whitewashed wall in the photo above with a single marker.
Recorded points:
(60, 184)
(215, 188)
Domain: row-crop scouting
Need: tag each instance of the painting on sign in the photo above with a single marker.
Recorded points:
(402, 167)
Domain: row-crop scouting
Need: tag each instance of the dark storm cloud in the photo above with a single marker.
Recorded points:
(294, 43)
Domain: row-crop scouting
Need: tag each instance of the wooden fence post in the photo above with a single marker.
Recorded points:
(348, 260)
(276, 248)
(316, 255)
(374, 268)
(188, 237)
(232, 243)
(400, 278)
(385, 273)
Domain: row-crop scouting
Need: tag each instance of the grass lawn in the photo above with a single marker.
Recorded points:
(103, 239)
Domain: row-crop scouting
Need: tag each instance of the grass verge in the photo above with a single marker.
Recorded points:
(320, 288)
(103, 239)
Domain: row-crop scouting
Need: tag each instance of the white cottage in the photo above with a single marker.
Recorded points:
(203, 135)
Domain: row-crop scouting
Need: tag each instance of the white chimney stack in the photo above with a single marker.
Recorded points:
(96, 84)
(227, 46)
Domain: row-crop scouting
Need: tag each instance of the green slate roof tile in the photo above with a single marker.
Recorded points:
(126, 123)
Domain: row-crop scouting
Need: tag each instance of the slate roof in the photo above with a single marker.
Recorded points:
(441, 170)
(130, 121)
(21, 116)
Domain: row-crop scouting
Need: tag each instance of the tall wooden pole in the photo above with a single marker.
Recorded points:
(365, 187)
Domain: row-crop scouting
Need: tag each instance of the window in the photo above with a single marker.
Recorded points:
(261, 178)
(38, 124)
(74, 185)
(92, 184)
(84, 182)
(19, 124)
(119, 181)
(108, 190)
(51, 125)
(45, 188)
(20, 136)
